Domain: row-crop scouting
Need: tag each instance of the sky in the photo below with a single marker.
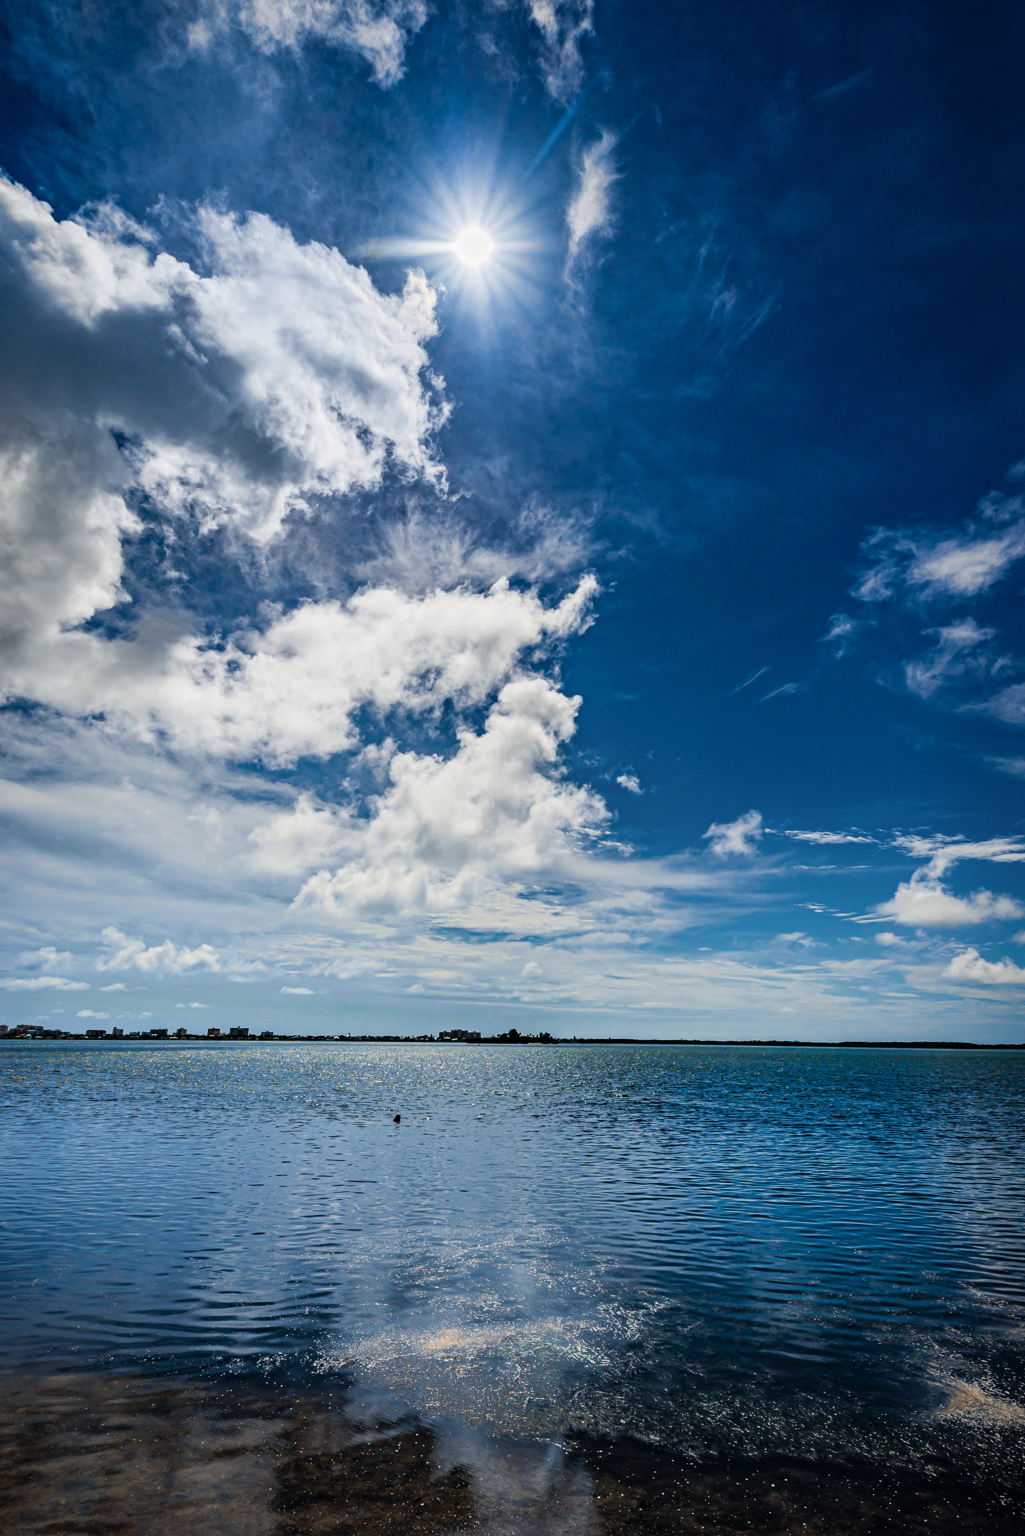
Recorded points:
(513, 515)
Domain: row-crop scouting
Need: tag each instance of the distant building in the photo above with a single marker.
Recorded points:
(470, 1035)
(267, 1034)
(181, 1034)
(238, 1033)
(96, 1034)
(117, 1033)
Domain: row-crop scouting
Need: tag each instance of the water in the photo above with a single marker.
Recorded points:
(602, 1287)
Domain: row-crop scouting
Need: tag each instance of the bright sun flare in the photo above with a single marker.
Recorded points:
(473, 245)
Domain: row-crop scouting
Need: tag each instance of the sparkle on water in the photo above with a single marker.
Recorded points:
(473, 245)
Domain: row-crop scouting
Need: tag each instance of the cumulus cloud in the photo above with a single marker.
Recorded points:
(299, 991)
(377, 30)
(589, 212)
(969, 965)
(307, 835)
(90, 1013)
(126, 954)
(276, 376)
(630, 782)
(924, 902)
(48, 958)
(449, 835)
(563, 25)
(728, 839)
(293, 689)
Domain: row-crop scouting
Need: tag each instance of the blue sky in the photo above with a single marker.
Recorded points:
(620, 636)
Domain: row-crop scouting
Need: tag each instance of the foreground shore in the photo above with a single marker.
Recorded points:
(131, 1455)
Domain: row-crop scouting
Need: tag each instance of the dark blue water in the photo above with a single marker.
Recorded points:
(715, 1251)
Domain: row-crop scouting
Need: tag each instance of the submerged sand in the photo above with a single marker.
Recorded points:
(93, 1454)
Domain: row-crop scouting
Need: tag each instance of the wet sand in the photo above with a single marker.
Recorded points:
(92, 1454)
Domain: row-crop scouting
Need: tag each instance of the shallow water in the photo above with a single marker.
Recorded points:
(748, 1284)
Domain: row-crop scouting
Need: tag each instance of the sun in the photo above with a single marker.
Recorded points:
(473, 245)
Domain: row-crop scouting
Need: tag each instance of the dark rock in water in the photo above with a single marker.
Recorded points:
(398, 1119)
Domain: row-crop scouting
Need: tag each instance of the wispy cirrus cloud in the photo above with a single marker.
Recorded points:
(915, 571)
(589, 213)
(42, 984)
(379, 31)
(564, 26)
(828, 839)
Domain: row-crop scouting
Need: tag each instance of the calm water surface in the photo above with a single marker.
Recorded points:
(753, 1259)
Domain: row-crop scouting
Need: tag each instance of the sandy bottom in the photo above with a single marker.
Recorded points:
(118, 1455)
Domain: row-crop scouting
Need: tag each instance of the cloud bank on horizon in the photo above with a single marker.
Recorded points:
(384, 637)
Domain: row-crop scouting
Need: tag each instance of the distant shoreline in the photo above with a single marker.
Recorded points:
(267, 1038)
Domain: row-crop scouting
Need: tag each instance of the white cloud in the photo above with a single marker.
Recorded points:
(840, 633)
(736, 838)
(962, 568)
(923, 902)
(958, 653)
(969, 965)
(307, 835)
(378, 30)
(944, 852)
(913, 568)
(90, 1013)
(279, 376)
(1015, 766)
(299, 991)
(589, 212)
(42, 984)
(125, 953)
(48, 958)
(630, 782)
(457, 835)
(1008, 705)
(563, 24)
(192, 1005)
(902, 561)
(828, 839)
(292, 689)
